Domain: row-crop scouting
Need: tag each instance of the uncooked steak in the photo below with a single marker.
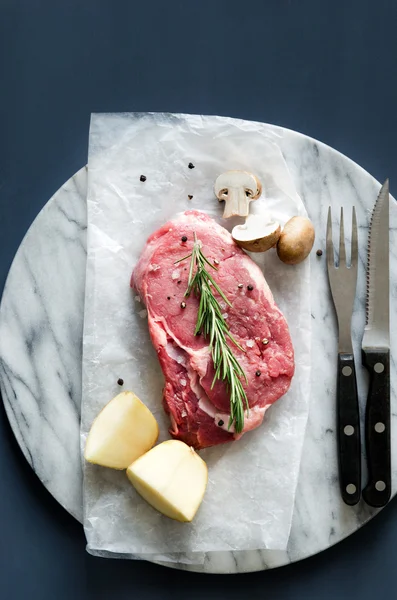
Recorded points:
(200, 415)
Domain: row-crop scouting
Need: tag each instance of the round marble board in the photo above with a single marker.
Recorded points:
(41, 328)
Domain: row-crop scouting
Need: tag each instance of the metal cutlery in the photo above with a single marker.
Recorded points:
(376, 355)
(343, 281)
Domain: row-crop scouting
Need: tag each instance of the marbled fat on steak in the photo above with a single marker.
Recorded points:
(199, 416)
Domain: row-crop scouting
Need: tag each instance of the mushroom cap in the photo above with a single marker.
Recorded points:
(241, 180)
(296, 240)
(257, 234)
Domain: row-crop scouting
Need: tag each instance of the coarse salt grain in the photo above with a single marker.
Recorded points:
(225, 315)
(250, 343)
(175, 274)
(183, 382)
(143, 313)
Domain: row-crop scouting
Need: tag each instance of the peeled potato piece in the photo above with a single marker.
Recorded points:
(123, 431)
(172, 478)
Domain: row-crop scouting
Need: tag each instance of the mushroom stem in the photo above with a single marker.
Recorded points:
(237, 204)
(237, 189)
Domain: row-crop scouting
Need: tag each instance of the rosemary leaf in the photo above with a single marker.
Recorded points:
(211, 323)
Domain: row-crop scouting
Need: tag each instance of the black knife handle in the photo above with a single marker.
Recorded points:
(348, 430)
(377, 427)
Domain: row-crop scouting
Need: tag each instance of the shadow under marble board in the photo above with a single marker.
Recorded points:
(41, 328)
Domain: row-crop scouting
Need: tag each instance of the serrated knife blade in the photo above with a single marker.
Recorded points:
(376, 331)
(376, 355)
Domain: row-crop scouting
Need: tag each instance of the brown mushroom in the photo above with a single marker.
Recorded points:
(296, 240)
(257, 234)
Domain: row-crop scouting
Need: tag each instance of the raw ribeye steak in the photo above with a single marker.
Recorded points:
(200, 415)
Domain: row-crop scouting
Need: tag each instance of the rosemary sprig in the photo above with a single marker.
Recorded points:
(212, 324)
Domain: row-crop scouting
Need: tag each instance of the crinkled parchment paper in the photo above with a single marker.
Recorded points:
(251, 490)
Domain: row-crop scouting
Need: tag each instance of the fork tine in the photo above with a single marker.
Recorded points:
(342, 250)
(354, 255)
(330, 246)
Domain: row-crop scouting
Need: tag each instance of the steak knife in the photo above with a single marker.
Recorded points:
(376, 355)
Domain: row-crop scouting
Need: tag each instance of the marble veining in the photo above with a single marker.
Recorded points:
(41, 327)
(41, 323)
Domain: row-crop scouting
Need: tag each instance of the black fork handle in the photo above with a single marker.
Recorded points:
(348, 423)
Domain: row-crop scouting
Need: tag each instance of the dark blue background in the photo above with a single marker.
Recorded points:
(326, 68)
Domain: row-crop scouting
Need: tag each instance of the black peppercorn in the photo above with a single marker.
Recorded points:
(120, 381)
(180, 281)
(183, 304)
(240, 286)
(190, 197)
(220, 423)
(142, 178)
(184, 238)
(258, 373)
(250, 287)
(319, 252)
(168, 297)
(191, 165)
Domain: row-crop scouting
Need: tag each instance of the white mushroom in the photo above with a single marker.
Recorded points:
(237, 189)
(258, 234)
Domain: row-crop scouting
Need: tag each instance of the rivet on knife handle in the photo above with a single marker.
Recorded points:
(348, 430)
(377, 428)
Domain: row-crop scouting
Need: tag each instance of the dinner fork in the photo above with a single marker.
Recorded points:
(343, 281)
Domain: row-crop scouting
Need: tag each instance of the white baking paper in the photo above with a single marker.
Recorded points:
(251, 489)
